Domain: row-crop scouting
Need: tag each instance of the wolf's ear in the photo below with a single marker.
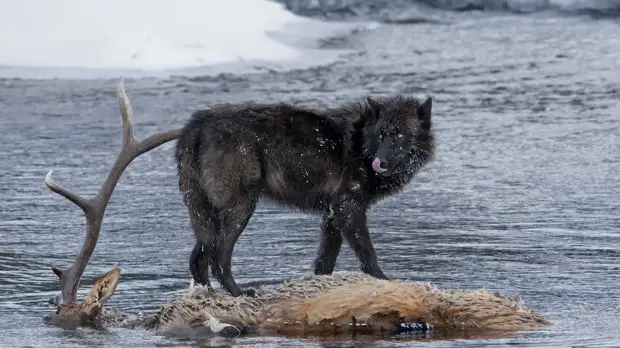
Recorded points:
(424, 111)
(375, 107)
(102, 290)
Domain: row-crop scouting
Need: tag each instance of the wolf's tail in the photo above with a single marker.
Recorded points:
(190, 176)
(187, 154)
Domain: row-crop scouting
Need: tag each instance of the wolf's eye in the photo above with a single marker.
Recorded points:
(380, 136)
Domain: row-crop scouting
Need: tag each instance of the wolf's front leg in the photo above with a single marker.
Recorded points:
(358, 237)
(351, 221)
(329, 246)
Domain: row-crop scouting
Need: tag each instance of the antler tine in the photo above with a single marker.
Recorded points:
(85, 204)
(94, 209)
(125, 106)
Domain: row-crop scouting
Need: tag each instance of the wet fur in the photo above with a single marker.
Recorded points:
(329, 307)
(318, 161)
(347, 303)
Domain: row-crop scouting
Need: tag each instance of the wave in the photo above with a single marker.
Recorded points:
(73, 38)
(386, 10)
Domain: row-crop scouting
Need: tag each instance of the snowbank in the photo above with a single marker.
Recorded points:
(154, 35)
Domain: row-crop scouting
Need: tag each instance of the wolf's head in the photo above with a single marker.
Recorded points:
(397, 133)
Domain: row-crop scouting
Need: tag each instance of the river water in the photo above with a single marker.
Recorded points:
(522, 198)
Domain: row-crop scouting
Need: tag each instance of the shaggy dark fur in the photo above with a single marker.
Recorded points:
(334, 162)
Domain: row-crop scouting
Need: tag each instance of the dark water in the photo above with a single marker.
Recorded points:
(523, 197)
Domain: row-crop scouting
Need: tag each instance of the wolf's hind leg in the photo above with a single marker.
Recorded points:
(232, 221)
(203, 222)
(199, 265)
(329, 247)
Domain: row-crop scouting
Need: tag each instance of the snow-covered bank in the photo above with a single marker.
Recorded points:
(73, 38)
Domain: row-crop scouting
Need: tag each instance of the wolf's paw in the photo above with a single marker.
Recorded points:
(249, 293)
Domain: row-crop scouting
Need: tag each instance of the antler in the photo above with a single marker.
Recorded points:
(94, 208)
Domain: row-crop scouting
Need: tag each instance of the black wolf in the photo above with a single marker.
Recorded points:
(335, 162)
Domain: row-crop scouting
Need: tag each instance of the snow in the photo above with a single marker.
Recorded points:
(63, 37)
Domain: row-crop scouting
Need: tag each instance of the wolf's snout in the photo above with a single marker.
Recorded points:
(376, 165)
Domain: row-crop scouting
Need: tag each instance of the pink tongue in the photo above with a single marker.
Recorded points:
(376, 165)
